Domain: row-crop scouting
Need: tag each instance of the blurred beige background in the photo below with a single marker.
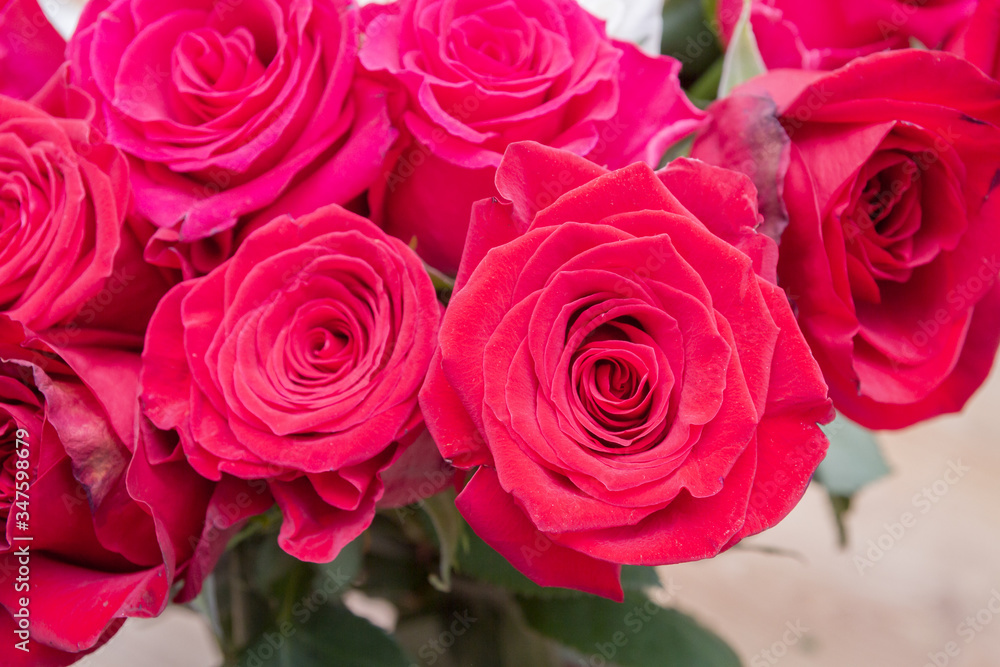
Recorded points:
(897, 595)
(928, 588)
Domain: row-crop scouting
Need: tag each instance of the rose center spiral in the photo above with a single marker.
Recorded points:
(206, 61)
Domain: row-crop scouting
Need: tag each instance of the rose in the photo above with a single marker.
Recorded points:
(630, 383)
(892, 245)
(636, 21)
(30, 49)
(231, 107)
(298, 361)
(114, 521)
(827, 35)
(472, 79)
(68, 252)
(977, 39)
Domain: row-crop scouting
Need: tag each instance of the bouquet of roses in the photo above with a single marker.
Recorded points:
(466, 306)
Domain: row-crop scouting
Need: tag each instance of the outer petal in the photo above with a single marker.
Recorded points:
(456, 435)
(897, 78)
(166, 377)
(743, 133)
(313, 529)
(687, 529)
(653, 112)
(725, 202)
(30, 48)
(977, 358)
(40, 655)
(497, 519)
(789, 443)
(431, 199)
(532, 177)
(418, 473)
(978, 40)
(72, 607)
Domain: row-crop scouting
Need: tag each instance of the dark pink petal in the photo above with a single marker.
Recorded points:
(701, 189)
(454, 432)
(497, 519)
(653, 112)
(532, 177)
(32, 49)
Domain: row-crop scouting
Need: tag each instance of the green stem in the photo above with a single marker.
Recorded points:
(239, 631)
(208, 604)
(296, 587)
(706, 88)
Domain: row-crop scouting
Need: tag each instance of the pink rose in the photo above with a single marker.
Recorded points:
(826, 35)
(472, 78)
(298, 362)
(978, 38)
(882, 177)
(30, 48)
(231, 107)
(115, 520)
(69, 252)
(622, 370)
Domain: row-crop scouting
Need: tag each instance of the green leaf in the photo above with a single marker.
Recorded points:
(743, 60)
(475, 626)
(330, 635)
(709, 7)
(263, 524)
(439, 279)
(689, 38)
(503, 632)
(840, 506)
(638, 578)
(703, 91)
(853, 460)
(448, 525)
(444, 284)
(268, 566)
(335, 578)
(680, 148)
(637, 633)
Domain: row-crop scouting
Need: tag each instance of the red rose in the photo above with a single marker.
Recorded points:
(108, 536)
(298, 362)
(476, 77)
(826, 35)
(227, 107)
(978, 39)
(630, 383)
(69, 254)
(892, 245)
(30, 48)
